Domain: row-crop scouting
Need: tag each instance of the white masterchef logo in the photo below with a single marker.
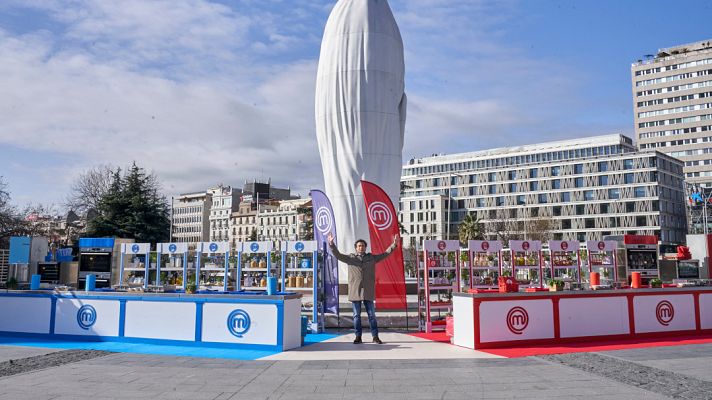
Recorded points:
(380, 215)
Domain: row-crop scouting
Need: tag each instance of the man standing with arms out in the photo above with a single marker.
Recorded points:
(362, 282)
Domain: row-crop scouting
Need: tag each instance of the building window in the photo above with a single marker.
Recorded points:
(512, 187)
(500, 201)
(565, 224)
(639, 191)
(588, 195)
(602, 166)
(480, 202)
(604, 208)
(555, 171)
(578, 169)
(590, 223)
(491, 177)
(614, 194)
(579, 182)
(566, 197)
(580, 209)
(603, 180)
(492, 189)
(556, 211)
(640, 221)
(556, 184)
(533, 173)
(628, 164)
(628, 178)
(533, 185)
(542, 198)
(512, 175)
(521, 200)
(629, 207)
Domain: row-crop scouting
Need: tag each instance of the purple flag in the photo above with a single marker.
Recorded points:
(324, 223)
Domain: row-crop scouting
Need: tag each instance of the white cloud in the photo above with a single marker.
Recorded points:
(202, 92)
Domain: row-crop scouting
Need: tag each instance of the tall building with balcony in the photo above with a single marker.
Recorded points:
(580, 189)
(225, 201)
(672, 99)
(190, 217)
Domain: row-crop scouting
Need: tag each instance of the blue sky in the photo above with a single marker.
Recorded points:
(204, 92)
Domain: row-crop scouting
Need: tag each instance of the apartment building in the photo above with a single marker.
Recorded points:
(672, 100)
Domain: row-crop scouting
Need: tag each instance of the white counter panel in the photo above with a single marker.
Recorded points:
(160, 320)
(240, 323)
(87, 317)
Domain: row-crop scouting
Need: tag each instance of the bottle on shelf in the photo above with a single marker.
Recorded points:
(300, 280)
(253, 264)
(292, 280)
(263, 281)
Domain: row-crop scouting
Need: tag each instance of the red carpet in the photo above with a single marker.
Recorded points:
(513, 352)
(434, 337)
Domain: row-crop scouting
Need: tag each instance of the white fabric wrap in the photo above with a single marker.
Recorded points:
(360, 111)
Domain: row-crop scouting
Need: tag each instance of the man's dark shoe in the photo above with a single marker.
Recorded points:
(358, 340)
(377, 340)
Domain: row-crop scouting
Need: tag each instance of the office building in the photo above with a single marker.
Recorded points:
(580, 189)
(190, 217)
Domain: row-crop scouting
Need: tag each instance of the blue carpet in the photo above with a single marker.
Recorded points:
(140, 348)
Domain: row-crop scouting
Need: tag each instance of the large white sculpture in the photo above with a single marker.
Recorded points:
(360, 110)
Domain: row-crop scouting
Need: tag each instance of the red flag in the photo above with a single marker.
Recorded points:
(383, 225)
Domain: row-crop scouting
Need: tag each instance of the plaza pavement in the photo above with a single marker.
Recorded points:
(369, 373)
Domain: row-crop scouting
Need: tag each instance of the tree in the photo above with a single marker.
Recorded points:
(470, 229)
(132, 208)
(10, 222)
(540, 229)
(89, 188)
(504, 228)
(253, 235)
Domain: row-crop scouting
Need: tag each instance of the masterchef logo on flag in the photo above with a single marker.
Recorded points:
(323, 226)
(383, 226)
(380, 216)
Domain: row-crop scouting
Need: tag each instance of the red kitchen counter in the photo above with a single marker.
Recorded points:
(490, 320)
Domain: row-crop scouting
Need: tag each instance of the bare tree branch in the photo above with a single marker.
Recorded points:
(89, 188)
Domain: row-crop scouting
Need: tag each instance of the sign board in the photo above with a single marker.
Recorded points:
(299, 246)
(135, 248)
(484, 246)
(564, 245)
(525, 245)
(172, 248)
(213, 247)
(441, 245)
(602, 245)
(257, 247)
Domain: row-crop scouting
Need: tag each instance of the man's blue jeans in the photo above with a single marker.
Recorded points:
(371, 311)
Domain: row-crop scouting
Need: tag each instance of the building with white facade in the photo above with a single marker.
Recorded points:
(225, 201)
(284, 222)
(672, 100)
(582, 189)
(243, 223)
(190, 217)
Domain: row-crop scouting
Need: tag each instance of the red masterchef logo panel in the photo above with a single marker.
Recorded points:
(517, 320)
(664, 312)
